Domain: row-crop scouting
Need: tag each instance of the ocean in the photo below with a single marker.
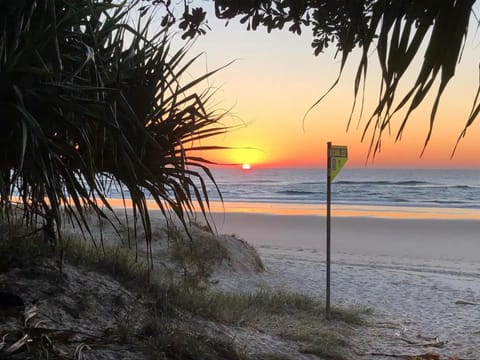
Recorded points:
(417, 193)
(380, 187)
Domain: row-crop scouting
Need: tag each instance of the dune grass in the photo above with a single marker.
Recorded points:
(117, 261)
(289, 315)
(20, 247)
(196, 254)
(175, 343)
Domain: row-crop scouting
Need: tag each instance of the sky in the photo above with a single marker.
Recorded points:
(274, 80)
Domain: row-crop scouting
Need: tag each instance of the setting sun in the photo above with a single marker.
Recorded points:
(246, 167)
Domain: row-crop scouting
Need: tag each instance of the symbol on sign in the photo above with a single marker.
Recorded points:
(339, 151)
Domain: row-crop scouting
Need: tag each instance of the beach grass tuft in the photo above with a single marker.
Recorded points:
(197, 254)
(324, 343)
(175, 342)
(117, 261)
(290, 315)
(239, 307)
(20, 247)
(234, 307)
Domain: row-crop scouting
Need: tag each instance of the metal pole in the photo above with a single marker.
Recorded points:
(329, 196)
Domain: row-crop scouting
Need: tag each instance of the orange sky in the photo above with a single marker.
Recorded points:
(275, 80)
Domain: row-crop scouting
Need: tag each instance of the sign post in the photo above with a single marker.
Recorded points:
(336, 159)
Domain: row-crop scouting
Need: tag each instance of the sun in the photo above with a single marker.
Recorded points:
(246, 167)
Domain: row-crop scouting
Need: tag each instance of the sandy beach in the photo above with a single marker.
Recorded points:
(421, 277)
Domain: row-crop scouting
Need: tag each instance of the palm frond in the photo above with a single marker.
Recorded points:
(398, 31)
(89, 100)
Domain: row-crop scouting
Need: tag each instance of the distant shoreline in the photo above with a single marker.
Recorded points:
(338, 210)
(348, 210)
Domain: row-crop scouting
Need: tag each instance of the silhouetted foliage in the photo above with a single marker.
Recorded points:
(397, 30)
(89, 101)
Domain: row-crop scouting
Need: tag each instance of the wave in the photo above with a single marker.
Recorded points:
(411, 183)
(448, 202)
(464, 187)
(399, 200)
(295, 192)
(385, 182)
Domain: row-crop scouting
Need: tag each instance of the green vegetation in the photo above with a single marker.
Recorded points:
(240, 307)
(180, 345)
(196, 255)
(20, 247)
(92, 100)
(289, 315)
(117, 261)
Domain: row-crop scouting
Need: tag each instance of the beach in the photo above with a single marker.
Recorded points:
(416, 272)
(404, 244)
(421, 277)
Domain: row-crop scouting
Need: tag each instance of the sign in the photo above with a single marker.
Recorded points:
(338, 157)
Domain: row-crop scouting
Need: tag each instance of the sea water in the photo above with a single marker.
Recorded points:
(450, 188)
(414, 193)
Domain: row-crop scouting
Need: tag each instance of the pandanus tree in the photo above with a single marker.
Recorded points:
(88, 100)
(398, 31)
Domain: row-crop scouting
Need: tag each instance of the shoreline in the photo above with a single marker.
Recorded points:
(348, 210)
(338, 210)
(318, 210)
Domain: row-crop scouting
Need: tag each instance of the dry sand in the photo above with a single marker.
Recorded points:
(420, 276)
(428, 239)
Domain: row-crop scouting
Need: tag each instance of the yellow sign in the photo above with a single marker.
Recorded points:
(338, 157)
